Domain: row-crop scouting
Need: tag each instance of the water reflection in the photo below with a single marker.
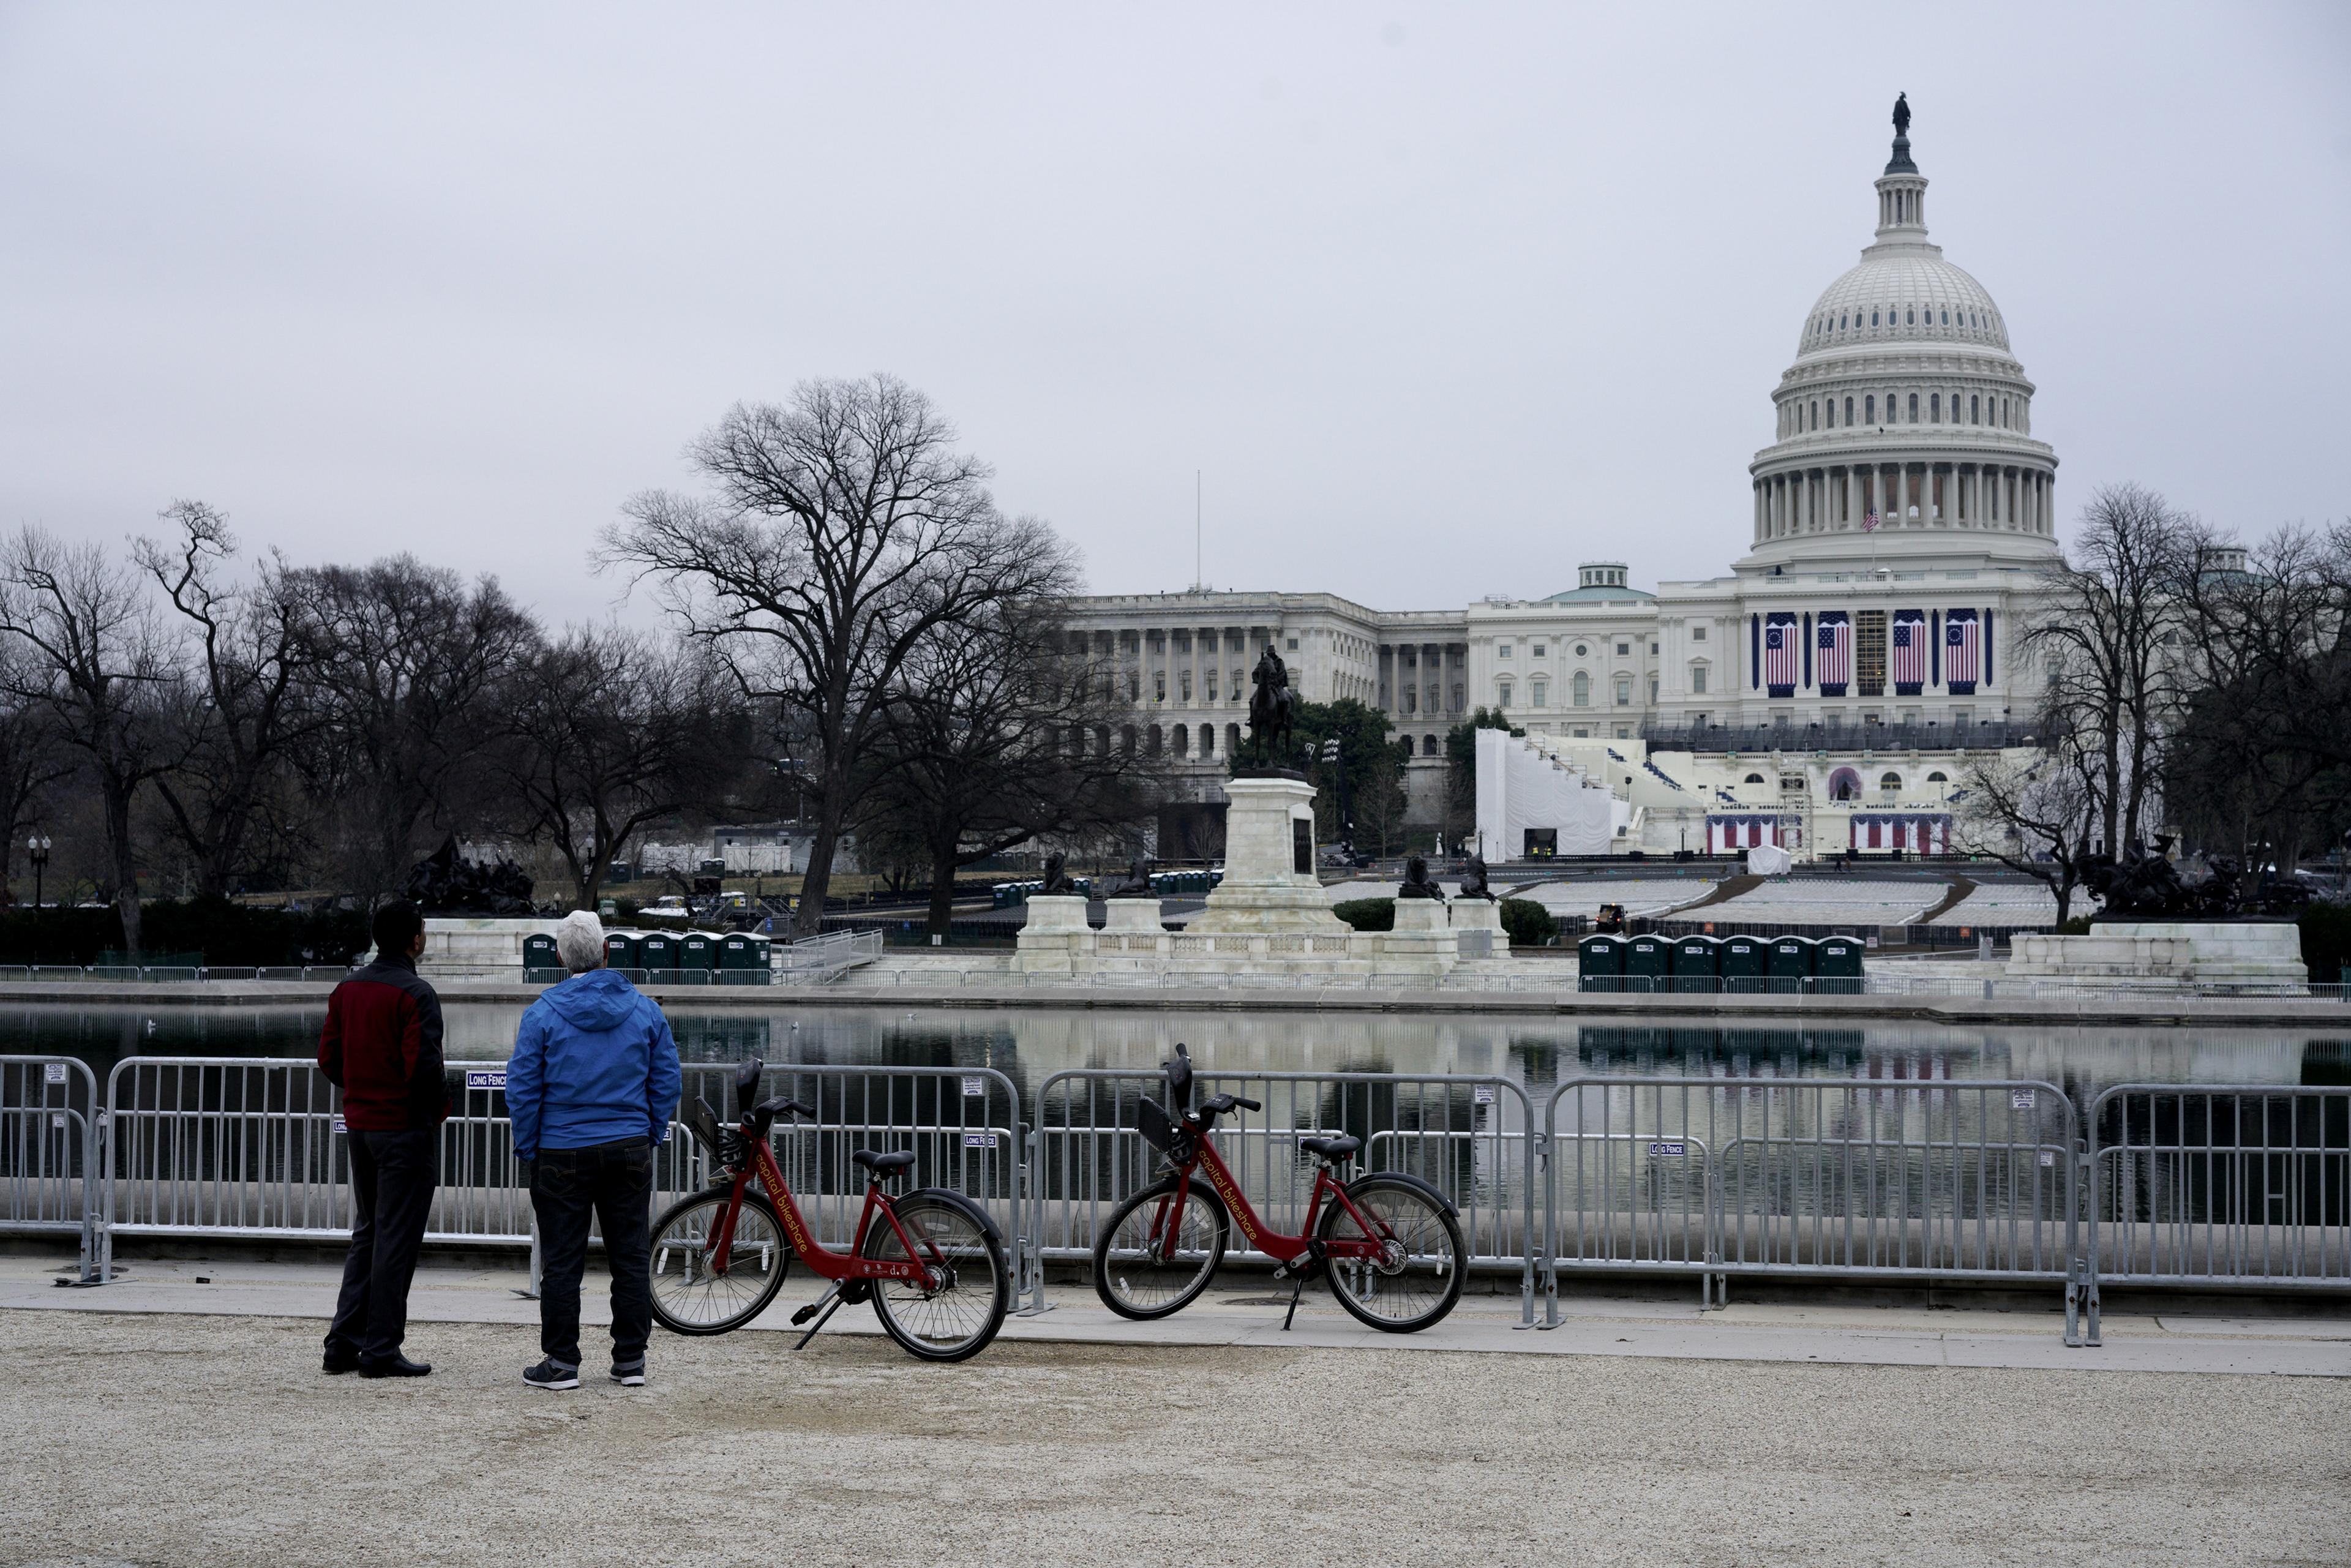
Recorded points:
(1031, 1044)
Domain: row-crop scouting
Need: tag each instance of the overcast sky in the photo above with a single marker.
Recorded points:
(1441, 299)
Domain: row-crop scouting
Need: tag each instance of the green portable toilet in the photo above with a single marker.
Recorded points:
(620, 950)
(697, 950)
(1837, 966)
(1648, 963)
(742, 959)
(1789, 965)
(1698, 964)
(1743, 960)
(539, 960)
(1600, 962)
(657, 953)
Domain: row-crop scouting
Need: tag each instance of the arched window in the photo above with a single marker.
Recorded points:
(1429, 745)
(1914, 408)
(1182, 735)
(1151, 740)
(1869, 404)
(1890, 782)
(1873, 318)
(1973, 418)
(1541, 691)
(1845, 784)
(1752, 779)
(1582, 687)
(1207, 740)
(1910, 316)
(1126, 739)
(1935, 407)
(1848, 411)
(1938, 778)
(1816, 415)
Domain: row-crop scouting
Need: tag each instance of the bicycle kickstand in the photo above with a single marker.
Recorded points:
(826, 1305)
(1297, 1289)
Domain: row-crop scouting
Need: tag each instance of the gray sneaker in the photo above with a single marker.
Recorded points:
(630, 1376)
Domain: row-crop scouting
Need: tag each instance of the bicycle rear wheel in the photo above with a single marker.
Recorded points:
(957, 1320)
(1418, 1279)
(1138, 1271)
(692, 1297)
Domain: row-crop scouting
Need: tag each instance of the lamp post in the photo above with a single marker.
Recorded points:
(37, 847)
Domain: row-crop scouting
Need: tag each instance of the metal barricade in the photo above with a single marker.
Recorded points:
(2220, 1186)
(1912, 1179)
(49, 1153)
(1468, 1136)
(964, 1124)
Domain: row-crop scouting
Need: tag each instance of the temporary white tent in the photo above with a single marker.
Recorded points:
(1521, 789)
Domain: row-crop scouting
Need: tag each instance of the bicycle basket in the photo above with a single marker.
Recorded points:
(723, 1144)
(1153, 1124)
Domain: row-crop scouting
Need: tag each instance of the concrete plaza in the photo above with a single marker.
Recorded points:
(161, 1420)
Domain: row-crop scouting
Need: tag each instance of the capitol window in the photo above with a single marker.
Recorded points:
(1624, 691)
(1873, 318)
(1502, 651)
(1870, 403)
(1935, 407)
(1913, 419)
(1583, 688)
(1540, 651)
(1578, 650)
(1624, 648)
(1503, 694)
(1816, 415)
(1972, 416)
(1698, 680)
(1697, 634)
(1541, 692)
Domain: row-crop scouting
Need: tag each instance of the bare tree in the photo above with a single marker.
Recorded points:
(409, 669)
(32, 760)
(999, 732)
(842, 531)
(608, 731)
(102, 667)
(2105, 624)
(244, 706)
(2038, 816)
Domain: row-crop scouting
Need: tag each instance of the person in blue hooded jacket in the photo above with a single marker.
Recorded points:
(591, 1090)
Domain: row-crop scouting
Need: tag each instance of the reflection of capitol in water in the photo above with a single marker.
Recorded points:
(1030, 1045)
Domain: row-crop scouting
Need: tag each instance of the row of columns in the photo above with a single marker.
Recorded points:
(1956, 494)
(1438, 677)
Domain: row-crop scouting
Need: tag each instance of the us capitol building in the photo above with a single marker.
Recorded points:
(1823, 694)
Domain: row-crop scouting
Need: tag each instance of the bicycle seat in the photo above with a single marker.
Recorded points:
(885, 1166)
(1338, 1148)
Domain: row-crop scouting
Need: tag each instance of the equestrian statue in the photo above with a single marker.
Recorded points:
(1273, 707)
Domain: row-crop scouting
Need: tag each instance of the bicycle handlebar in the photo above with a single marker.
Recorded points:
(1218, 1104)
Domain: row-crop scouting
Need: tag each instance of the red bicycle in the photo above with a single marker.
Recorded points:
(932, 1262)
(1389, 1243)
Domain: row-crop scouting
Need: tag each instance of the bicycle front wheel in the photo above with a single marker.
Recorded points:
(957, 1320)
(1417, 1278)
(1141, 1272)
(693, 1298)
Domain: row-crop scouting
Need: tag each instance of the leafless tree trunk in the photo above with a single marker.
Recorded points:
(103, 668)
(841, 532)
(2038, 817)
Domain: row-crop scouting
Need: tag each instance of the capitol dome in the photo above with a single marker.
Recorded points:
(1905, 421)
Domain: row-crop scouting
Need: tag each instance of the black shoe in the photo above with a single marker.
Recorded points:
(398, 1366)
(336, 1365)
(551, 1377)
(630, 1376)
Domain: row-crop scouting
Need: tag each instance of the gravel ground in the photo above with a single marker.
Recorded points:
(201, 1440)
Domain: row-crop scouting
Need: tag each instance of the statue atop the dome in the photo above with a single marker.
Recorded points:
(1902, 114)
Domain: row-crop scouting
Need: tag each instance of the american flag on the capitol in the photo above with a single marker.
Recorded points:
(1961, 646)
(1779, 653)
(1868, 521)
(1910, 649)
(1834, 646)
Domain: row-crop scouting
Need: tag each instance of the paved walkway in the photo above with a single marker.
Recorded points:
(1247, 1310)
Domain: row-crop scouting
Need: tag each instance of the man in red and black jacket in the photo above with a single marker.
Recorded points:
(382, 1047)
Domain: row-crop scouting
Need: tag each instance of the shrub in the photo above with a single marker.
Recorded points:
(1367, 914)
(2077, 927)
(1528, 923)
(2326, 940)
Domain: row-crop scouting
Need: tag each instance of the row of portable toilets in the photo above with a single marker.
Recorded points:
(1607, 963)
(734, 957)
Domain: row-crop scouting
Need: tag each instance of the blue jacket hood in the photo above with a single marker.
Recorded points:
(595, 1001)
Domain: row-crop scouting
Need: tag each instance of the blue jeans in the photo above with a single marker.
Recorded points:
(615, 1182)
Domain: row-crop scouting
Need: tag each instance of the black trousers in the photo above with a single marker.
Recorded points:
(615, 1182)
(393, 1178)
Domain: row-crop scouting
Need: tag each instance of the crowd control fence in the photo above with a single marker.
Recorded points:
(2199, 1187)
(48, 1153)
(1469, 1136)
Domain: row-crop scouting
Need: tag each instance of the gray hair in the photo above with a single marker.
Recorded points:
(579, 941)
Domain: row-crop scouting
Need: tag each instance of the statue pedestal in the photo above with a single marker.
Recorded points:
(460, 945)
(1054, 935)
(1133, 914)
(1265, 891)
(2224, 952)
(1477, 922)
